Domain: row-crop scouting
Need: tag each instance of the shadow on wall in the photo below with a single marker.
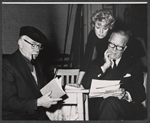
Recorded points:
(48, 55)
(136, 45)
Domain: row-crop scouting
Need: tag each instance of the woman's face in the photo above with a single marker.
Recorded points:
(101, 29)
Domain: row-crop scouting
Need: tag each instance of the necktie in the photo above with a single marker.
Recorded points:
(31, 67)
(29, 63)
(114, 64)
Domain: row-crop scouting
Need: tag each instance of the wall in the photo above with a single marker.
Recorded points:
(49, 18)
(119, 11)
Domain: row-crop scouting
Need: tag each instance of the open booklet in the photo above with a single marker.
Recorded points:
(55, 86)
(103, 88)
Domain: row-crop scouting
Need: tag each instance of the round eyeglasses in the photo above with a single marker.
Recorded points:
(120, 48)
(34, 45)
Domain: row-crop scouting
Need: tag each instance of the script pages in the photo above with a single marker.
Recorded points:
(55, 86)
(103, 88)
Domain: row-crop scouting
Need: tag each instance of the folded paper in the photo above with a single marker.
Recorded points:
(100, 88)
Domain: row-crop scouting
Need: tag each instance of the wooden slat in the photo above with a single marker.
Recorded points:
(72, 79)
(67, 71)
(67, 79)
(80, 106)
(62, 83)
(86, 108)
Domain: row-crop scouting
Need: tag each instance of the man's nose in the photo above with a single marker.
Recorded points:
(37, 49)
(115, 48)
(101, 30)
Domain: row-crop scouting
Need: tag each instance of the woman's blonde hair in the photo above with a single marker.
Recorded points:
(100, 15)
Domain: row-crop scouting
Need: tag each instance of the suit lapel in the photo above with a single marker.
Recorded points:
(25, 70)
(123, 66)
(38, 74)
(119, 71)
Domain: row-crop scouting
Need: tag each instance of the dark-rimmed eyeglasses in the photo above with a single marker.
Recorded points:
(120, 48)
(34, 45)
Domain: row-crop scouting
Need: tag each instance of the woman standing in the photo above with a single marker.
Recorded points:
(102, 22)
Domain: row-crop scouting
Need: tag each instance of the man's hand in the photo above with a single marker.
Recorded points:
(79, 78)
(120, 93)
(46, 100)
(108, 62)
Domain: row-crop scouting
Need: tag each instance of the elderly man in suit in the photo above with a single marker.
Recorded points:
(22, 79)
(126, 103)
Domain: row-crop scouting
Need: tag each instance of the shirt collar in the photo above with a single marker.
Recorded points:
(117, 62)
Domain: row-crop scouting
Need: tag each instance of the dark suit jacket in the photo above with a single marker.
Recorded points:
(127, 65)
(19, 89)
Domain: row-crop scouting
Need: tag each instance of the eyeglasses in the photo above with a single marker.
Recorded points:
(120, 48)
(34, 45)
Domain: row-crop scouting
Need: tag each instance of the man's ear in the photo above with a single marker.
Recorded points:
(125, 48)
(20, 43)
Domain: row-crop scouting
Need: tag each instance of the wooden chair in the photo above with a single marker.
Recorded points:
(69, 75)
(76, 97)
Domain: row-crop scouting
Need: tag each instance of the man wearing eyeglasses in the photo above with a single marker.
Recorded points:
(125, 103)
(22, 79)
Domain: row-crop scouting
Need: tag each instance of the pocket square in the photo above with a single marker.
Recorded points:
(98, 75)
(127, 75)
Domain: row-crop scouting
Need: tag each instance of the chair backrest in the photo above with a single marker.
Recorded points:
(69, 75)
(62, 60)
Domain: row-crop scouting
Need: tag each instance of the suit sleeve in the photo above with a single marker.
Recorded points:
(93, 72)
(10, 99)
(134, 84)
(88, 51)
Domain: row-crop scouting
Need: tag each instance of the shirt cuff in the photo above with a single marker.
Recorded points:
(129, 96)
(103, 70)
